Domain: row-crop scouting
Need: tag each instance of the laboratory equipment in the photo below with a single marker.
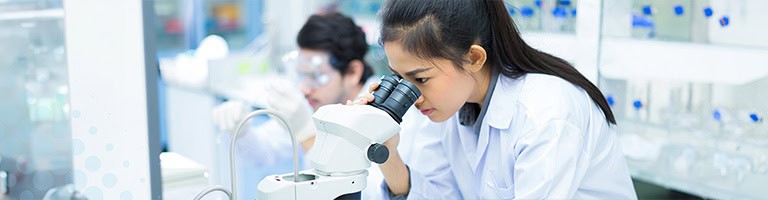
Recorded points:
(172, 24)
(67, 191)
(667, 69)
(720, 22)
(232, 194)
(3, 182)
(526, 14)
(181, 175)
(561, 18)
(553, 16)
(348, 139)
(191, 68)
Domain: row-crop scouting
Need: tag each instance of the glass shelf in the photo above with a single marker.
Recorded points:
(550, 16)
(686, 80)
(35, 142)
(717, 22)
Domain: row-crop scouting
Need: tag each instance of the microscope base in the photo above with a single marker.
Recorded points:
(311, 186)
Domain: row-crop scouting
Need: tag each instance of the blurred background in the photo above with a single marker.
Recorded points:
(687, 80)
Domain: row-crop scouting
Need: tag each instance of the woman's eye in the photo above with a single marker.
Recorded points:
(421, 80)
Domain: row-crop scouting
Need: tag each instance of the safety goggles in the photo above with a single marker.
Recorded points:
(309, 68)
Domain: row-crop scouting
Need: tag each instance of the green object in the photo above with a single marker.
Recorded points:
(264, 66)
(244, 68)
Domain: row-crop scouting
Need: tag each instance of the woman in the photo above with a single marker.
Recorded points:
(520, 123)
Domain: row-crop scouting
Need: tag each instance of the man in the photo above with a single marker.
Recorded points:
(330, 69)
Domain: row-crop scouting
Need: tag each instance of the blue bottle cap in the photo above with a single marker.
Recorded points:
(526, 11)
(559, 12)
(637, 104)
(564, 2)
(609, 99)
(642, 21)
(754, 117)
(724, 21)
(538, 3)
(573, 12)
(708, 12)
(511, 11)
(647, 10)
(716, 115)
(679, 10)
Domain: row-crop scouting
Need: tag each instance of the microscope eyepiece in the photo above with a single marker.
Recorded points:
(387, 85)
(395, 95)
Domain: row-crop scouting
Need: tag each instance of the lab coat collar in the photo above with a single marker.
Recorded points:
(504, 101)
(501, 108)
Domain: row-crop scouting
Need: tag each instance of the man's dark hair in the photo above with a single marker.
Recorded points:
(338, 35)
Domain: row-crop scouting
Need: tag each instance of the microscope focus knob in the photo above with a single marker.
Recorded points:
(378, 153)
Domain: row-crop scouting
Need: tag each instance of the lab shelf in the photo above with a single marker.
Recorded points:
(710, 188)
(649, 59)
(179, 171)
(561, 45)
(182, 177)
(706, 164)
(32, 14)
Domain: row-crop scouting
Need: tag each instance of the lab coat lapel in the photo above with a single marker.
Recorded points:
(482, 145)
(501, 108)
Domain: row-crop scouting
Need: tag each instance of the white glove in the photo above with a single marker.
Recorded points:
(227, 115)
(285, 98)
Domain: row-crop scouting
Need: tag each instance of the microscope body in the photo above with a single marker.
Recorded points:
(345, 134)
(338, 157)
(349, 138)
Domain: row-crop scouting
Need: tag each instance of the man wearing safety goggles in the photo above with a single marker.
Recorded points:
(324, 79)
(330, 69)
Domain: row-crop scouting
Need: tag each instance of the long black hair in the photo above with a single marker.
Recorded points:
(447, 28)
(338, 35)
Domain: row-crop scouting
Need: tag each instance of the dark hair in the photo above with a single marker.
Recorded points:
(446, 29)
(338, 35)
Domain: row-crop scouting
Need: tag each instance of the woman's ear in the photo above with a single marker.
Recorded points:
(354, 72)
(477, 57)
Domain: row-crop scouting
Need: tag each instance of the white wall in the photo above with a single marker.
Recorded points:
(108, 95)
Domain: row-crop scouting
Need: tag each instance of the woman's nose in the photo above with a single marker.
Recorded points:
(419, 100)
(305, 89)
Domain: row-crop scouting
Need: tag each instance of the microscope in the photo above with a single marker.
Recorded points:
(349, 138)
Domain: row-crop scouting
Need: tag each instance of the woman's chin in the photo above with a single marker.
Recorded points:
(437, 118)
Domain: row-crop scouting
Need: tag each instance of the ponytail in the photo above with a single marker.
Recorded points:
(446, 29)
(506, 49)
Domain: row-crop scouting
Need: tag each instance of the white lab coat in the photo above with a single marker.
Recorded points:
(541, 138)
